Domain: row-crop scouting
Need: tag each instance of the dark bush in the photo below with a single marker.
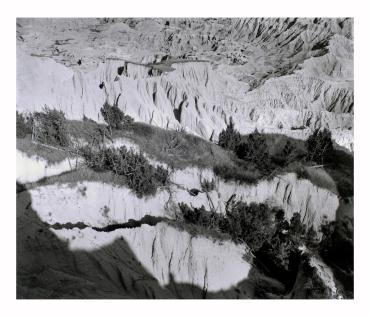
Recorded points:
(24, 125)
(161, 175)
(253, 224)
(135, 169)
(254, 149)
(230, 137)
(51, 127)
(202, 217)
(207, 186)
(274, 240)
(114, 116)
(288, 154)
(320, 146)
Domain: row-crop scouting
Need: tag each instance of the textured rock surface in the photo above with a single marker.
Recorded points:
(286, 76)
(165, 251)
(266, 74)
(98, 204)
(145, 262)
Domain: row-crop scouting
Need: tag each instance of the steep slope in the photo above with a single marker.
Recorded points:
(197, 93)
(80, 234)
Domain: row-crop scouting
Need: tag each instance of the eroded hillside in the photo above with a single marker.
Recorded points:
(155, 207)
(286, 76)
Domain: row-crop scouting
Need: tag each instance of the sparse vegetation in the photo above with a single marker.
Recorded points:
(202, 217)
(52, 156)
(50, 127)
(254, 149)
(241, 172)
(274, 240)
(179, 150)
(135, 169)
(88, 131)
(175, 148)
(208, 185)
(229, 138)
(320, 146)
(114, 117)
(290, 153)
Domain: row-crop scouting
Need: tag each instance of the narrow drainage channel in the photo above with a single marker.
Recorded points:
(146, 220)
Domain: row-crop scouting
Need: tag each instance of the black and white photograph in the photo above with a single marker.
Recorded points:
(184, 158)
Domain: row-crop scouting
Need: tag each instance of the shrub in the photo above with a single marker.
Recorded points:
(254, 149)
(265, 230)
(230, 137)
(202, 217)
(320, 146)
(207, 186)
(114, 116)
(135, 169)
(161, 175)
(288, 154)
(51, 127)
(253, 224)
(24, 125)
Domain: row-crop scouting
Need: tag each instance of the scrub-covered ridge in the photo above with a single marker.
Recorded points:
(185, 158)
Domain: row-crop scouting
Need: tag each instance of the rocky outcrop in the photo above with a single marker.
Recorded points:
(98, 204)
(147, 262)
(286, 76)
(95, 204)
(200, 95)
(285, 191)
(165, 251)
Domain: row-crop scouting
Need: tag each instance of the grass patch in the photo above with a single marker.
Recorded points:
(177, 149)
(88, 131)
(72, 178)
(239, 171)
(321, 178)
(52, 156)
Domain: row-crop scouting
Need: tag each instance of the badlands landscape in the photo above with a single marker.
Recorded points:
(195, 158)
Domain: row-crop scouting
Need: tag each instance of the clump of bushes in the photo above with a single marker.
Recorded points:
(24, 125)
(289, 153)
(134, 168)
(230, 137)
(268, 154)
(202, 217)
(114, 117)
(51, 127)
(266, 231)
(253, 224)
(254, 149)
(320, 146)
